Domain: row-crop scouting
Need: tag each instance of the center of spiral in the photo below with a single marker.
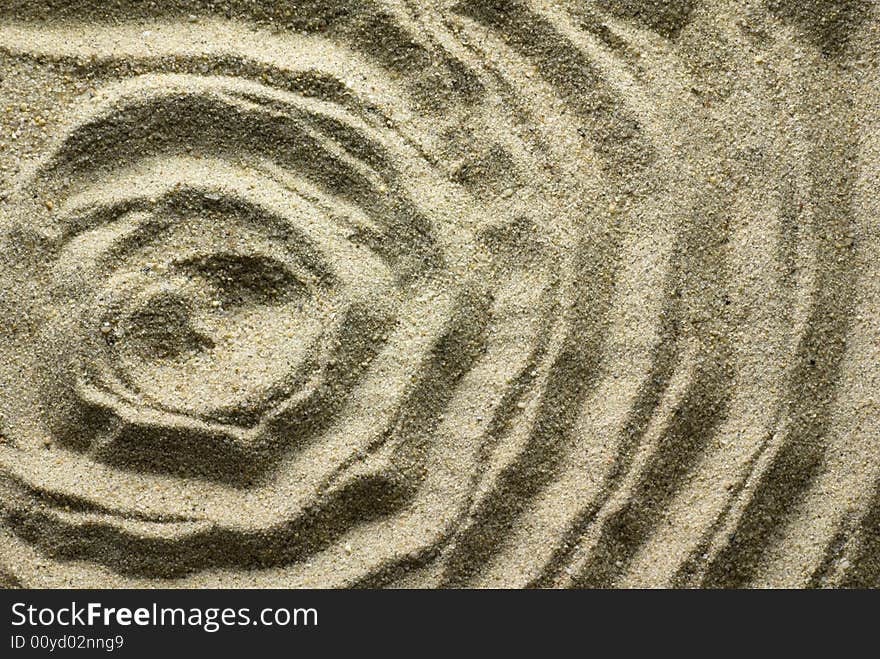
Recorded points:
(206, 329)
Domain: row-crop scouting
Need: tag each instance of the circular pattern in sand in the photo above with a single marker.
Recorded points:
(491, 294)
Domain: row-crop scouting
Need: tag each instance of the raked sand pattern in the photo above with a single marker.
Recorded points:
(438, 294)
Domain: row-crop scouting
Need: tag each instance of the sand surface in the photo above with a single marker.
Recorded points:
(488, 293)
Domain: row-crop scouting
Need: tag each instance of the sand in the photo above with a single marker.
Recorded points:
(442, 294)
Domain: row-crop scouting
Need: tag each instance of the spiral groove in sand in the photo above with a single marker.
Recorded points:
(483, 294)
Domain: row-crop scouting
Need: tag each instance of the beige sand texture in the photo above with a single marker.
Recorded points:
(483, 293)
